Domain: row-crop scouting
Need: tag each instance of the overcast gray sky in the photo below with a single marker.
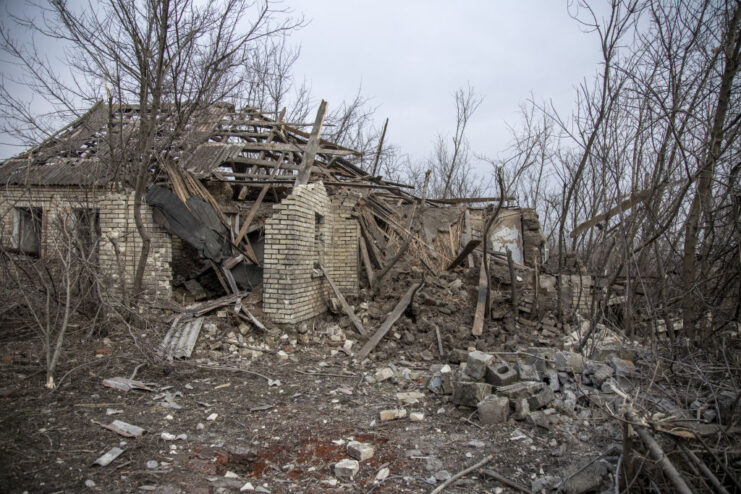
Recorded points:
(410, 56)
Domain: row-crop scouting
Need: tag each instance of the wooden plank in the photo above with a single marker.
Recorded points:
(478, 318)
(470, 246)
(312, 146)
(366, 261)
(463, 200)
(345, 306)
(260, 162)
(294, 146)
(393, 316)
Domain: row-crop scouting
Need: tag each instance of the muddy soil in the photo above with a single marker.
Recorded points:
(279, 422)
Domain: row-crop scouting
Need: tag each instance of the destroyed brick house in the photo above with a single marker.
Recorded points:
(228, 211)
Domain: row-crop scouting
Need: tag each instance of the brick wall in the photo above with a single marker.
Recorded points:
(307, 228)
(120, 243)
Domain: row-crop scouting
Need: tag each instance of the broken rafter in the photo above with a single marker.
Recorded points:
(463, 200)
(254, 209)
(409, 238)
(312, 146)
(393, 316)
(470, 246)
(634, 199)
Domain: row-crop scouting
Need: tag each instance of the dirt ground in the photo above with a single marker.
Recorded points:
(279, 437)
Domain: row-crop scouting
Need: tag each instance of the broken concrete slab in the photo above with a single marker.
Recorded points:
(519, 390)
(598, 373)
(569, 362)
(469, 393)
(541, 399)
(493, 410)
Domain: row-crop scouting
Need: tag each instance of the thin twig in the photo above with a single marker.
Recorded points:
(460, 474)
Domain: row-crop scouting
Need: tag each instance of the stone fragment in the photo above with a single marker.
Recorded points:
(598, 373)
(346, 469)
(501, 374)
(540, 357)
(152, 464)
(442, 381)
(545, 484)
(387, 415)
(520, 390)
(569, 362)
(442, 475)
(416, 416)
(541, 399)
(623, 368)
(383, 374)
(457, 356)
(586, 480)
(546, 419)
(470, 393)
(522, 409)
(433, 464)
(526, 372)
(493, 410)
(550, 376)
(476, 364)
(360, 451)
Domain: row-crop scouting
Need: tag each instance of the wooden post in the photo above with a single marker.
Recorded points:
(513, 284)
(478, 318)
(311, 147)
(467, 233)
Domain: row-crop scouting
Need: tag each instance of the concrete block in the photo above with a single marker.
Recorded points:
(493, 410)
(501, 374)
(386, 415)
(476, 364)
(360, 451)
(526, 372)
(470, 393)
